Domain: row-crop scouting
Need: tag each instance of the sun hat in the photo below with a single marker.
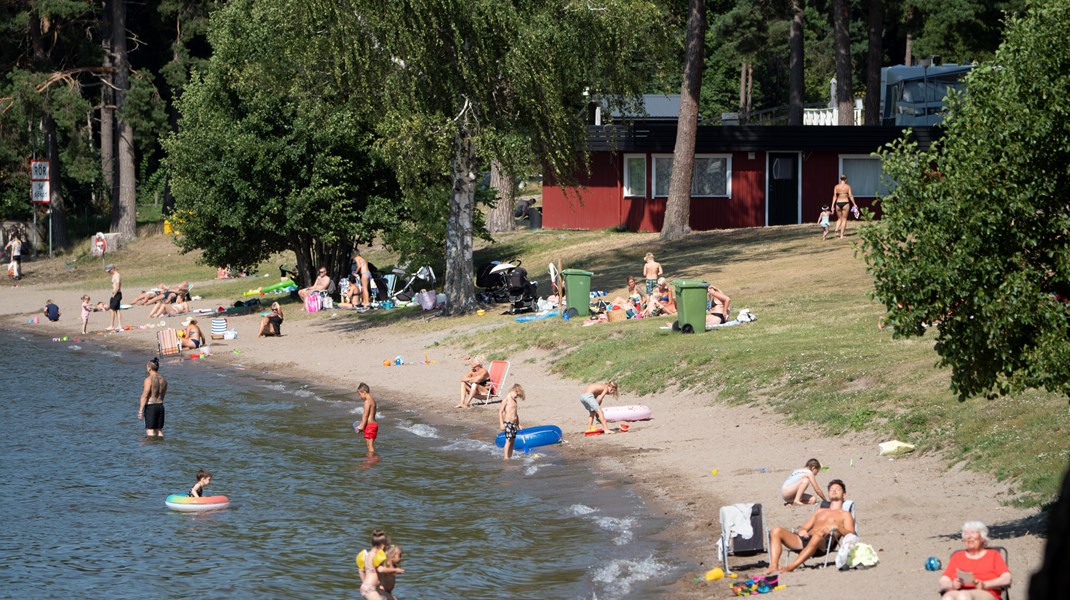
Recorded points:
(109, 268)
(187, 321)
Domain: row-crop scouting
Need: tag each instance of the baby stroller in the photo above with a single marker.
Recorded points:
(424, 274)
(494, 289)
(521, 294)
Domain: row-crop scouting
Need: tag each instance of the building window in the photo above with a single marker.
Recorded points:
(864, 175)
(635, 175)
(712, 176)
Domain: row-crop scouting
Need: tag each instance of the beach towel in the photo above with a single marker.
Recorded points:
(735, 520)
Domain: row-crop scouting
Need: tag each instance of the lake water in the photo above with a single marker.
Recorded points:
(82, 492)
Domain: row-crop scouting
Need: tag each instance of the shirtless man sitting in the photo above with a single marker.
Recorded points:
(320, 285)
(806, 540)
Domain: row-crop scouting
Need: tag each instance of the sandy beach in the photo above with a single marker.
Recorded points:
(691, 458)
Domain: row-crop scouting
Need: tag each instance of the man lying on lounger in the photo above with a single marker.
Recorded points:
(814, 534)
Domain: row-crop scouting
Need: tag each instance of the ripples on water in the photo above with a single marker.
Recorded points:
(83, 493)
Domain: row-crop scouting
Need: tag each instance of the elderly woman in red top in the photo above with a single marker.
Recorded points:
(976, 573)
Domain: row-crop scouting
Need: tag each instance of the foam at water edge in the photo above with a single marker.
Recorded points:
(419, 429)
(580, 509)
(303, 393)
(622, 527)
(278, 387)
(472, 446)
(618, 576)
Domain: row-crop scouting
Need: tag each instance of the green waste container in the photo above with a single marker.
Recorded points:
(690, 305)
(577, 292)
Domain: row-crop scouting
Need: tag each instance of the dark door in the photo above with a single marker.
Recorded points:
(783, 183)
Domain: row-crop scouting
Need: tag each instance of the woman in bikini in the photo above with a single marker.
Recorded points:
(842, 200)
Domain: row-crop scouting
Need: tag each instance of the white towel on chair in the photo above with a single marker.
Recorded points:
(735, 520)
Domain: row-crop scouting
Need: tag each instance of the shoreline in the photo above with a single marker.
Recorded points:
(908, 508)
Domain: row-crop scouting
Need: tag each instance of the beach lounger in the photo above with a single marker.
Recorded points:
(832, 545)
(167, 342)
(499, 370)
(743, 532)
(1005, 593)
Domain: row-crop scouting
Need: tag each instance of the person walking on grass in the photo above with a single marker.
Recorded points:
(651, 272)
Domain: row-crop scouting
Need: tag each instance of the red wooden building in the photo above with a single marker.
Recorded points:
(745, 176)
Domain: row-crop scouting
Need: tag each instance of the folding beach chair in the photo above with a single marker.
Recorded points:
(833, 544)
(167, 342)
(219, 328)
(499, 370)
(743, 532)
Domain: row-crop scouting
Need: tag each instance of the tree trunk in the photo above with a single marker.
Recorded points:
(844, 96)
(107, 116)
(124, 212)
(796, 82)
(460, 287)
(743, 92)
(60, 237)
(501, 216)
(908, 55)
(874, 58)
(678, 206)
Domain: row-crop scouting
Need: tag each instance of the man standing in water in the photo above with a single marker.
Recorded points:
(116, 296)
(152, 394)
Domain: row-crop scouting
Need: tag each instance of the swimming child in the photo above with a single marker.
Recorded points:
(794, 487)
(388, 577)
(823, 221)
(592, 397)
(368, 425)
(651, 271)
(370, 587)
(509, 418)
(204, 479)
(86, 309)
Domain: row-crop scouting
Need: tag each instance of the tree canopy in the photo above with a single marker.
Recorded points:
(974, 241)
(261, 164)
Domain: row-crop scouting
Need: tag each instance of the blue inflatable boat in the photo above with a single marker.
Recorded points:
(533, 437)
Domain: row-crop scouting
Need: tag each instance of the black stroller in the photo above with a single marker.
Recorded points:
(512, 287)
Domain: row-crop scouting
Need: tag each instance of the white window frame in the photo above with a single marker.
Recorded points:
(881, 189)
(728, 175)
(628, 191)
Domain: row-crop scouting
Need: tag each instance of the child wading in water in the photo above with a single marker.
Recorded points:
(373, 566)
(368, 425)
(509, 419)
(823, 221)
(592, 397)
(389, 579)
(651, 272)
(794, 487)
(204, 479)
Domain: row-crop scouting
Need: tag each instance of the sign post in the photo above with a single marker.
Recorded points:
(41, 193)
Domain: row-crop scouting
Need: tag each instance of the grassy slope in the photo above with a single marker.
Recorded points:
(815, 354)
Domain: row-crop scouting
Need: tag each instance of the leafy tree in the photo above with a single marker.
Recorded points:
(975, 237)
(261, 164)
(463, 81)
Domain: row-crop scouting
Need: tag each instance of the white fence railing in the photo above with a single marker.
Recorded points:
(827, 116)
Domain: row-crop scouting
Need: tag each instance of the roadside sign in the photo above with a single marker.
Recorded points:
(39, 170)
(40, 192)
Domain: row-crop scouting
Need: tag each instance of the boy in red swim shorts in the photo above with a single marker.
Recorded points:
(368, 425)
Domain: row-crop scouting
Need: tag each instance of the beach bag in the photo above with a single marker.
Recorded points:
(313, 303)
(862, 555)
(616, 315)
(425, 299)
(328, 303)
(843, 555)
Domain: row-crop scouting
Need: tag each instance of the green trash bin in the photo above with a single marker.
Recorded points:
(577, 292)
(690, 305)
